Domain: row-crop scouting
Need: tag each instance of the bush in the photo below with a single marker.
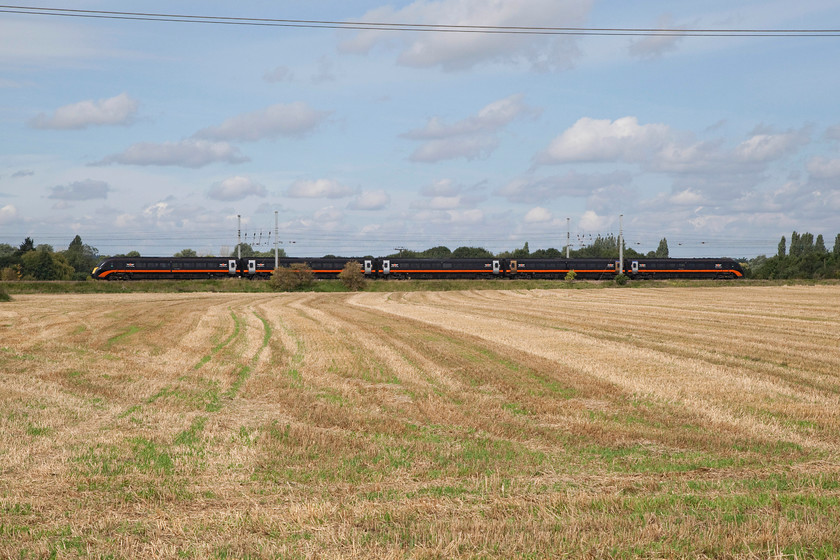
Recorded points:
(570, 276)
(621, 279)
(4, 295)
(10, 274)
(289, 279)
(353, 277)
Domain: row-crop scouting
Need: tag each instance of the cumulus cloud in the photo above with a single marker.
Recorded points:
(459, 51)
(236, 188)
(328, 218)
(594, 140)
(318, 188)
(445, 194)
(190, 153)
(824, 168)
(470, 138)
(88, 189)
(662, 149)
(370, 200)
(441, 187)
(591, 221)
(8, 215)
(490, 118)
(294, 119)
(538, 215)
(119, 110)
(473, 147)
(767, 146)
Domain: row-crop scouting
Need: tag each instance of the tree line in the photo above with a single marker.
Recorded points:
(806, 257)
(42, 262)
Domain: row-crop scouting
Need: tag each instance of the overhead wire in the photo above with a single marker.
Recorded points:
(416, 27)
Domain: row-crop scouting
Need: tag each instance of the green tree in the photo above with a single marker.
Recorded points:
(81, 257)
(836, 250)
(795, 245)
(44, 265)
(471, 253)
(281, 253)
(550, 253)
(782, 248)
(26, 246)
(819, 245)
(439, 252)
(662, 250)
(247, 251)
(185, 253)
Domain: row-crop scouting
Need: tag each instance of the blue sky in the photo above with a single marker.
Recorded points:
(155, 136)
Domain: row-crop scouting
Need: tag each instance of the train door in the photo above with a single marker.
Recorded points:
(232, 267)
(496, 267)
(368, 268)
(386, 267)
(252, 267)
(513, 268)
(634, 266)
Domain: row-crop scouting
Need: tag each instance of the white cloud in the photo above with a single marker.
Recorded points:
(370, 200)
(490, 118)
(328, 218)
(294, 119)
(88, 189)
(603, 140)
(538, 215)
(441, 187)
(119, 110)
(319, 188)
(470, 138)
(823, 168)
(236, 188)
(590, 221)
(766, 147)
(471, 147)
(186, 153)
(8, 215)
(687, 197)
(458, 51)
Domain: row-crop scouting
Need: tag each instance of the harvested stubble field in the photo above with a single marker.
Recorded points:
(678, 423)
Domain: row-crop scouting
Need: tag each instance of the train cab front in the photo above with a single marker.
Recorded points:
(99, 271)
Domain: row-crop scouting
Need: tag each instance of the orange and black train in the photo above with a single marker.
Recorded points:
(148, 268)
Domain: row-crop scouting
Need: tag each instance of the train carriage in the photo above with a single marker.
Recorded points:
(408, 268)
(164, 268)
(557, 269)
(714, 268)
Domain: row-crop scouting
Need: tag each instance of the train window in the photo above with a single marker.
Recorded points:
(447, 265)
